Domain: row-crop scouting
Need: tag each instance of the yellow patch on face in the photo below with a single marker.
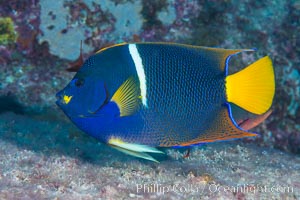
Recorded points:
(67, 99)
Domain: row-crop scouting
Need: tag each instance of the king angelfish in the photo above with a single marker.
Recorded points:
(138, 96)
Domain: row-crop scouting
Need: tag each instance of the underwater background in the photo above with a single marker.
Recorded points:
(44, 156)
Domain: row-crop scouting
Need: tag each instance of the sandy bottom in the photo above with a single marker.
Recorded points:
(48, 158)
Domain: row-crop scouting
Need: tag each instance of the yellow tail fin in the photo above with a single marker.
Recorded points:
(252, 88)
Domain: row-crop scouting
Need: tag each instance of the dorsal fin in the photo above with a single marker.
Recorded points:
(219, 55)
(77, 64)
(222, 129)
(110, 46)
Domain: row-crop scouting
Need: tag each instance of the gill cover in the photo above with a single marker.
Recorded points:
(83, 96)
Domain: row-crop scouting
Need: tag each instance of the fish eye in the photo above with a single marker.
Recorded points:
(78, 82)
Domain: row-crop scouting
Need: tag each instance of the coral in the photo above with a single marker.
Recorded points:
(167, 15)
(53, 26)
(8, 34)
(108, 23)
(282, 129)
(5, 54)
(25, 16)
(71, 21)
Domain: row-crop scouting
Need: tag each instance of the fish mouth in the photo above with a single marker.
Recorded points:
(58, 98)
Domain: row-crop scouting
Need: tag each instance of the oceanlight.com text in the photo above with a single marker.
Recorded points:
(211, 188)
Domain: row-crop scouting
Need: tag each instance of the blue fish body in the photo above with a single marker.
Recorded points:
(155, 94)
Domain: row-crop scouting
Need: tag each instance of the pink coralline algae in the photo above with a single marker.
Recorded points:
(25, 15)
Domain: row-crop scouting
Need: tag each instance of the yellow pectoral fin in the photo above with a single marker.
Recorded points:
(253, 88)
(127, 97)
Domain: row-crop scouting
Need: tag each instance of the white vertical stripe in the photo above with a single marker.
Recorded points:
(140, 71)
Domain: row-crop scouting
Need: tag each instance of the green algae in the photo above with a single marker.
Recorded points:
(8, 34)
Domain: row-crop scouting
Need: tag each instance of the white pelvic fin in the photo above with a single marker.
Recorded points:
(136, 150)
(136, 154)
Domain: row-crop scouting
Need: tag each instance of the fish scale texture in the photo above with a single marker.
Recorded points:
(182, 91)
(185, 90)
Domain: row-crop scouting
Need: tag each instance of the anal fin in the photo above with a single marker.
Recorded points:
(136, 150)
(223, 128)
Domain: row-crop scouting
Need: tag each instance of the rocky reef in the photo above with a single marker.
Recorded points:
(39, 39)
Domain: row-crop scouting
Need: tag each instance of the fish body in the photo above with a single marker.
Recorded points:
(143, 95)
